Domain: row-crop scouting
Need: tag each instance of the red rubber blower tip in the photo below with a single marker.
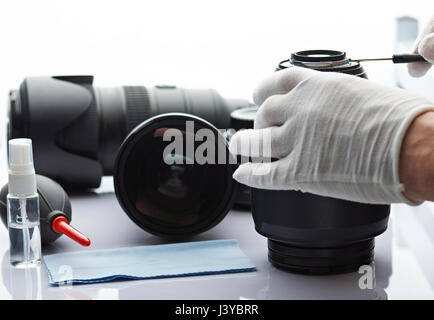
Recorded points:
(61, 225)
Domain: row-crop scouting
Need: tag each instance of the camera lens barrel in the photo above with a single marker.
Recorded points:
(77, 128)
(311, 234)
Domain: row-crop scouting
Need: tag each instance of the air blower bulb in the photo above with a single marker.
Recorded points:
(55, 212)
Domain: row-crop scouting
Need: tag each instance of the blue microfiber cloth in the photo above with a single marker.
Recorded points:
(144, 262)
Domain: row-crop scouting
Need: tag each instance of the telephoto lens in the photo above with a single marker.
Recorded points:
(312, 234)
(77, 128)
(173, 175)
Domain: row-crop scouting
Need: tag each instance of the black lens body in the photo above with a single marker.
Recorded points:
(77, 128)
(172, 193)
(312, 234)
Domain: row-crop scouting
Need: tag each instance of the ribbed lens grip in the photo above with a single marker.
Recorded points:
(138, 105)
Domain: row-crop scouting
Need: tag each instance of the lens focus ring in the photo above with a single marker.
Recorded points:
(138, 105)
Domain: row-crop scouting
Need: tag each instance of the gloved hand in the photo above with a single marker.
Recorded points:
(424, 45)
(334, 135)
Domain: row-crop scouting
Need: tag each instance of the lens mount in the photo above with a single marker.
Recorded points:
(318, 56)
(178, 199)
(324, 60)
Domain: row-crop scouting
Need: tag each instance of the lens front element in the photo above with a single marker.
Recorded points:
(170, 178)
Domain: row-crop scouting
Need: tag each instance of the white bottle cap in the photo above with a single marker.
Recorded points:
(22, 178)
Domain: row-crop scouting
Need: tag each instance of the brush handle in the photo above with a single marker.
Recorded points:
(407, 58)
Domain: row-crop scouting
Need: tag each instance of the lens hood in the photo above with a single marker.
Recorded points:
(47, 110)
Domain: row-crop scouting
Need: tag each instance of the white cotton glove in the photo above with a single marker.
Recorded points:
(335, 135)
(424, 45)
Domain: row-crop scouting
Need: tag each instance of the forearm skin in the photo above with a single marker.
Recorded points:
(416, 162)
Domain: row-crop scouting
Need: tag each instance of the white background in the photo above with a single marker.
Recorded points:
(228, 45)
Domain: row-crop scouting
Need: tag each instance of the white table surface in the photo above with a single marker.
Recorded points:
(404, 261)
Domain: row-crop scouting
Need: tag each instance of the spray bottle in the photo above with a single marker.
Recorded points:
(23, 206)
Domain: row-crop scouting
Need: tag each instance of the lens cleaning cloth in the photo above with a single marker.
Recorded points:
(147, 262)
